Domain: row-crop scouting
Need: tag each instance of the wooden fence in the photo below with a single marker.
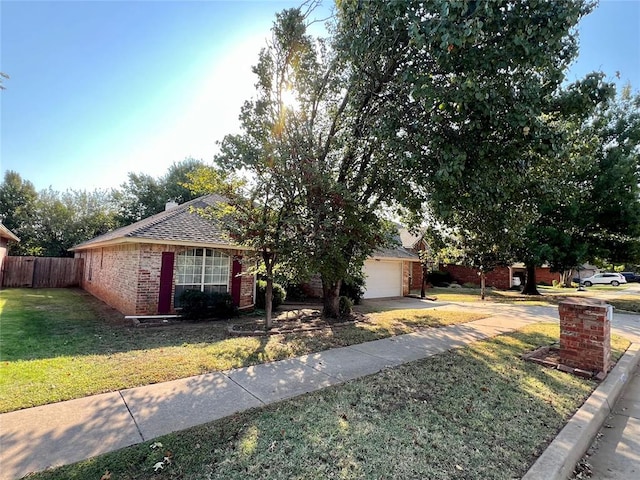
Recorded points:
(42, 272)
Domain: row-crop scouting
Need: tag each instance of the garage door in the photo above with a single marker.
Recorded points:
(384, 279)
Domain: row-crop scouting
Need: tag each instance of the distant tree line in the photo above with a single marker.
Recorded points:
(49, 222)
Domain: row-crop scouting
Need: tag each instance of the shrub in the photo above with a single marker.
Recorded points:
(197, 305)
(469, 285)
(353, 288)
(439, 279)
(279, 295)
(345, 306)
(295, 291)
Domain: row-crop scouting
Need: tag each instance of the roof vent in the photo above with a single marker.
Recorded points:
(170, 204)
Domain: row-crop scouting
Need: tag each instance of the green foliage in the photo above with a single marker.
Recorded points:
(143, 195)
(439, 279)
(17, 207)
(320, 166)
(353, 288)
(345, 306)
(198, 305)
(279, 294)
(50, 222)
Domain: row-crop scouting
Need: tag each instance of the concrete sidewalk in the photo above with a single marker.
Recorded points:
(34, 439)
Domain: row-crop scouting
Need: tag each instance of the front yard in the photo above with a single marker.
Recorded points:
(477, 412)
(60, 344)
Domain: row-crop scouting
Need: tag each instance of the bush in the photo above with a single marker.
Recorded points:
(345, 306)
(279, 295)
(295, 291)
(353, 288)
(439, 279)
(470, 285)
(197, 305)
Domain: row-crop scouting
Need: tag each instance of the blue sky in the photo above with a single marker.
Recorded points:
(102, 88)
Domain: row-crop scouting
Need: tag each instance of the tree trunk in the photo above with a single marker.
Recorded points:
(268, 303)
(331, 300)
(530, 287)
(269, 261)
(567, 277)
(483, 283)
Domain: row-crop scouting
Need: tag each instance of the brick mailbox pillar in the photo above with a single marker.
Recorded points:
(585, 334)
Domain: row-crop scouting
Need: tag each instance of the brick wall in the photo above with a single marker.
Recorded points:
(544, 274)
(416, 275)
(127, 277)
(498, 278)
(247, 287)
(406, 268)
(110, 275)
(585, 335)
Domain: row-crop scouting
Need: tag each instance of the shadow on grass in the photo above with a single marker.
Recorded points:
(49, 323)
(477, 412)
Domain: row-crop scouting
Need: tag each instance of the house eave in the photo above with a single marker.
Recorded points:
(155, 241)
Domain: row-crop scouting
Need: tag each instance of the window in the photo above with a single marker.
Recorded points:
(201, 269)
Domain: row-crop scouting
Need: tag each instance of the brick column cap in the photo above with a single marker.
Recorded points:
(584, 302)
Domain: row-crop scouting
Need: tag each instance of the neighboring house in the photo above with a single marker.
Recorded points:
(415, 244)
(500, 277)
(6, 236)
(388, 272)
(142, 269)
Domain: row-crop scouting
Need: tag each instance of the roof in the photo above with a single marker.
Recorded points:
(6, 233)
(179, 225)
(408, 239)
(395, 253)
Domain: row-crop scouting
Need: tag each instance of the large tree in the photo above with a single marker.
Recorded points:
(144, 195)
(315, 166)
(50, 222)
(17, 206)
(488, 78)
(590, 208)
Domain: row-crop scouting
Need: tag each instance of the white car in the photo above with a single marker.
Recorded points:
(613, 279)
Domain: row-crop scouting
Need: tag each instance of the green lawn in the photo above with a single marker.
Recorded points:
(477, 412)
(60, 344)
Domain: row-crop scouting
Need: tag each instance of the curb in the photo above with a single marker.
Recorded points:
(562, 455)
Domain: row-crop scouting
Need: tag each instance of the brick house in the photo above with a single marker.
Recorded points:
(388, 272)
(415, 244)
(142, 269)
(6, 236)
(500, 277)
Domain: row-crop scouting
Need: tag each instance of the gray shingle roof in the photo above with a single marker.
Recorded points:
(397, 253)
(179, 224)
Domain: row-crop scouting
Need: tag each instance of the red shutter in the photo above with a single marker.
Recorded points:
(166, 283)
(236, 280)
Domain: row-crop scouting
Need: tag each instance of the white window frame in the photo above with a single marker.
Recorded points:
(219, 266)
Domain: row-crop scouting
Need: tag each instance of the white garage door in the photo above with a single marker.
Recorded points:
(384, 279)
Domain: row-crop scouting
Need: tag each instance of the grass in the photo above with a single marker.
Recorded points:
(550, 296)
(62, 344)
(627, 304)
(477, 412)
(464, 295)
